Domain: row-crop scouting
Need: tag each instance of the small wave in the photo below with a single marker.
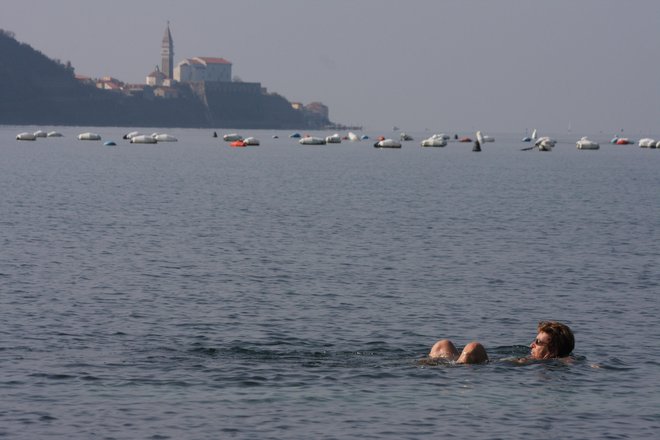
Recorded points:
(53, 376)
(376, 354)
(209, 351)
(614, 364)
(90, 378)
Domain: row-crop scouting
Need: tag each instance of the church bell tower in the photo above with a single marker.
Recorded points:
(167, 53)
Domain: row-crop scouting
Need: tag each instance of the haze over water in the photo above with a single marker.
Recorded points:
(193, 290)
(472, 65)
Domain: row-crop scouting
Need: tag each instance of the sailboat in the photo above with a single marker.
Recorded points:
(530, 139)
(543, 143)
(479, 142)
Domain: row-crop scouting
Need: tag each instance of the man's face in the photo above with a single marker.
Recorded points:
(541, 346)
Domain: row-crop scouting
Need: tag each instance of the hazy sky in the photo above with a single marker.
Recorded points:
(452, 65)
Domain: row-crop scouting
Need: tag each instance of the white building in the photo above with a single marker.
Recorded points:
(203, 69)
(156, 77)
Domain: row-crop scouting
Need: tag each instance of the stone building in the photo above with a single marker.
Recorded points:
(198, 69)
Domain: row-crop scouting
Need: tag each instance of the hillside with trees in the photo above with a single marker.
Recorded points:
(36, 90)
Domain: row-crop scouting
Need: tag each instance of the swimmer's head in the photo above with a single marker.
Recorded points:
(554, 340)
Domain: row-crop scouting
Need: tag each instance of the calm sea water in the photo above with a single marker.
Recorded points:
(193, 290)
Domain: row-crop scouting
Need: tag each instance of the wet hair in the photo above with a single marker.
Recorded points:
(562, 340)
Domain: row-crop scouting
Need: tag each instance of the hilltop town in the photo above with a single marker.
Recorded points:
(196, 92)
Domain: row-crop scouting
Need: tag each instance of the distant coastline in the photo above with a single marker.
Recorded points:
(36, 90)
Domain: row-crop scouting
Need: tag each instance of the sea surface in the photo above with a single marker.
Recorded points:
(191, 290)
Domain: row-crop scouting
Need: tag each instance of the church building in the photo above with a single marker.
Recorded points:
(163, 75)
(190, 70)
(208, 69)
(167, 54)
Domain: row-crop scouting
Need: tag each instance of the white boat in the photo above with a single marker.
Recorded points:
(311, 140)
(164, 137)
(388, 143)
(487, 138)
(54, 134)
(405, 137)
(131, 135)
(480, 137)
(252, 141)
(479, 142)
(89, 136)
(545, 143)
(25, 136)
(587, 144)
(40, 134)
(334, 139)
(647, 143)
(353, 137)
(143, 139)
(437, 140)
(231, 137)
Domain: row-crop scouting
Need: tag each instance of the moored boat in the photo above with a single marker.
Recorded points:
(531, 138)
(586, 144)
(545, 143)
(231, 137)
(311, 140)
(334, 139)
(621, 141)
(88, 136)
(647, 143)
(436, 140)
(387, 143)
(25, 136)
(164, 137)
(143, 139)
